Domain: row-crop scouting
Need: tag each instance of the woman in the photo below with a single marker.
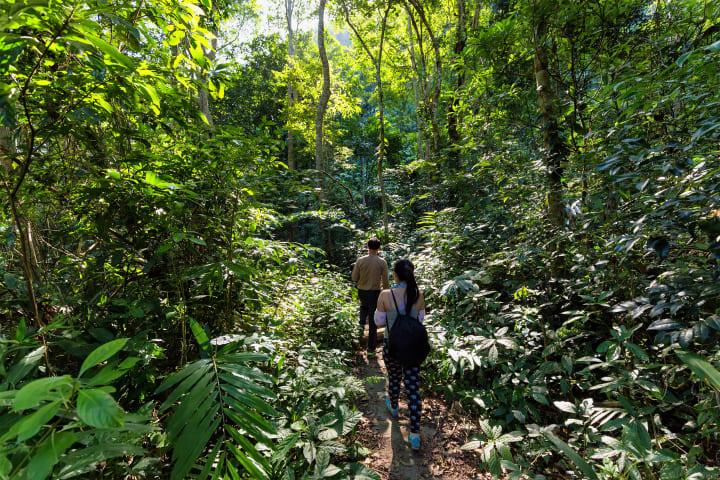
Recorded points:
(405, 293)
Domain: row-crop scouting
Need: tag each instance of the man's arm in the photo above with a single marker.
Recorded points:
(385, 282)
(355, 273)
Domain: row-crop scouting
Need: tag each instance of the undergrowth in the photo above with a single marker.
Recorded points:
(274, 405)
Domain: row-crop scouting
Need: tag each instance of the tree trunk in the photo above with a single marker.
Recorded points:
(324, 95)
(289, 7)
(319, 121)
(8, 148)
(203, 96)
(363, 175)
(555, 151)
(476, 16)
(9, 153)
(416, 92)
(424, 107)
(381, 142)
(453, 121)
(377, 63)
(434, 99)
(204, 103)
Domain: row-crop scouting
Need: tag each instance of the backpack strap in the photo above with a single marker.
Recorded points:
(395, 302)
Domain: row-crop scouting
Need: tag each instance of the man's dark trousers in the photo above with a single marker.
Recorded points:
(368, 303)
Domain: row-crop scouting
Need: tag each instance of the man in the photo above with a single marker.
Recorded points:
(371, 274)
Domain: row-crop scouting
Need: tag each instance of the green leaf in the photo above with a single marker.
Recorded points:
(250, 401)
(104, 104)
(48, 454)
(21, 6)
(153, 179)
(283, 448)
(253, 462)
(22, 368)
(584, 467)
(102, 353)
(152, 93)
(714, 47)
(153, 96)
(358, 471)
(472, 445)
(28, 426)
(212, 460)
(113, 173)
(110, 50)
(41, 390)
(639, 437)
(701, 367)
(702, 131)
(201, 336)
(494, 464)
(7, 397)
(199, 388)
(198, 241)
(21, 331)
(568, 407)
(637, 351)
(84, 460)
(109, 373)
(683, 58)
(98, 409)
(5, 466)
(189, 373)
(192, 441)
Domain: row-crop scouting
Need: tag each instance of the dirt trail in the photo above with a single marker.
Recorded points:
(442, 431)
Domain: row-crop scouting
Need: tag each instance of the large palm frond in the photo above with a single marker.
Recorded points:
(220, 414)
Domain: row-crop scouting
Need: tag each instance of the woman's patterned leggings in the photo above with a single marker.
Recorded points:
(411, 376)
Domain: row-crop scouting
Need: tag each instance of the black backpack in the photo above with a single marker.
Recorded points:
(408, 340)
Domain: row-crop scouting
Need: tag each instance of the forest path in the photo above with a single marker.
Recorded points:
(443, 432)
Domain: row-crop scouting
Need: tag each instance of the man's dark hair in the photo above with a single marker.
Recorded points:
(373, 244)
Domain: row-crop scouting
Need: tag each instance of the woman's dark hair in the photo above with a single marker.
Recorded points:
(405, 271)
(373, 244)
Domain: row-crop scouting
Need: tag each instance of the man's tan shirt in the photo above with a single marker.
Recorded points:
(371, 272)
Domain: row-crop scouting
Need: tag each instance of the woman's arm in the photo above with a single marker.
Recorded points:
(381, 310)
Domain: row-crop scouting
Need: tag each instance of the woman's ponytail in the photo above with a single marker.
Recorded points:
(405, 271)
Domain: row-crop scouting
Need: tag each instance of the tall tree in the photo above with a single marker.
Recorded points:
(377, 64)
(554, 148)
(289, 10)
(203, 96)
(420, 139)
(433, 97)
(324, 94)
(209, 53)
(422, 99)
(459, 68)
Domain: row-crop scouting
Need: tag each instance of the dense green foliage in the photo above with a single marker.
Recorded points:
(176, 238)
(580, 328)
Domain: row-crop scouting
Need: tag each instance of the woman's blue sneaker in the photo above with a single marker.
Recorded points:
(393, 411)
(414, 439)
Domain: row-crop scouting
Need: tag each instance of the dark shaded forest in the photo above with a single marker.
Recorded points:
(185, 190)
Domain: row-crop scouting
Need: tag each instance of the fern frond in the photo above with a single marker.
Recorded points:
(220, 404)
